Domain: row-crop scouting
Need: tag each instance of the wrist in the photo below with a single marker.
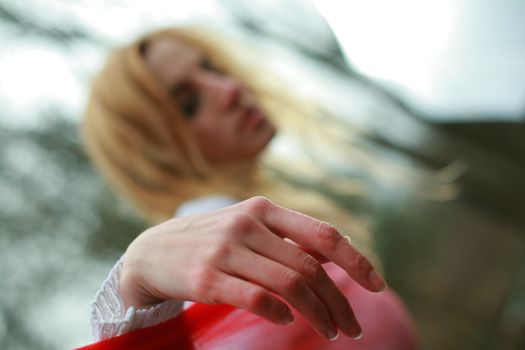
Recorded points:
(133, 292)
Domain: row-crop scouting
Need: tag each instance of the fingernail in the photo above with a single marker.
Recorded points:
(356, 332)
(332, 334)
(358, 335)
(377, 281)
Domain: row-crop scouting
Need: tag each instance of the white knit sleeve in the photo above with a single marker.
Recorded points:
(109, 319)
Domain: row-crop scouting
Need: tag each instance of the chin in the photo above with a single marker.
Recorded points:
(256, 150)
(265, 142)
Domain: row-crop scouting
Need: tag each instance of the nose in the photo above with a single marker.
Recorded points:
(224, 91)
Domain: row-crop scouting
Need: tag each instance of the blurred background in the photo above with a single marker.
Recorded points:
(441, 83)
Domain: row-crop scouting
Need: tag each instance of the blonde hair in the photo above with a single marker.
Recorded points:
(139, 141)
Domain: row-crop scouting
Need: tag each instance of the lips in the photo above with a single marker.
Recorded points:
(252, 118)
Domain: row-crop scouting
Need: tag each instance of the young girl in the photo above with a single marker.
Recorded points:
(179, 122)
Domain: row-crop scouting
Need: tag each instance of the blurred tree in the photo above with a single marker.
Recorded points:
(39, 20)
(55, 214)
(57, 218)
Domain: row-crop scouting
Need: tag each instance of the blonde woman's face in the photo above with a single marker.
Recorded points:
(224, 116)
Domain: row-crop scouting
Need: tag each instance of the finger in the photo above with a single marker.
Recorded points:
(290, 255)
(311, 252)
(325, 239)
(285, 282)
(248, 296)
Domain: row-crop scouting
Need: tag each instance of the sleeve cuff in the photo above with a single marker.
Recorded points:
(108, 317)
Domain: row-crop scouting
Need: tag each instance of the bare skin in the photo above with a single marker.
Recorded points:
(238, 256)
(227, 122)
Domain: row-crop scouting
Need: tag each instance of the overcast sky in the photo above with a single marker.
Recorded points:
(448, 58)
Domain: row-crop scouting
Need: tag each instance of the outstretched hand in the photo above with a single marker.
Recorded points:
(237, 256)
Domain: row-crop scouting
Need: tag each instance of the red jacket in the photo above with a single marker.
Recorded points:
(385, 322)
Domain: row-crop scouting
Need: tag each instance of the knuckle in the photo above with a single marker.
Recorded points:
(311, 268)
(258, 204)
(359, 263)
(261, 302)
(211, 296)
(202, 283)
(327, 235)
(238, 224)
(218, 253)
(293, 283)
(257, 299)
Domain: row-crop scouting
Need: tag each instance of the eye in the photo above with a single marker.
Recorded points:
(206, 64)
(190, 105)
(188, 99)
